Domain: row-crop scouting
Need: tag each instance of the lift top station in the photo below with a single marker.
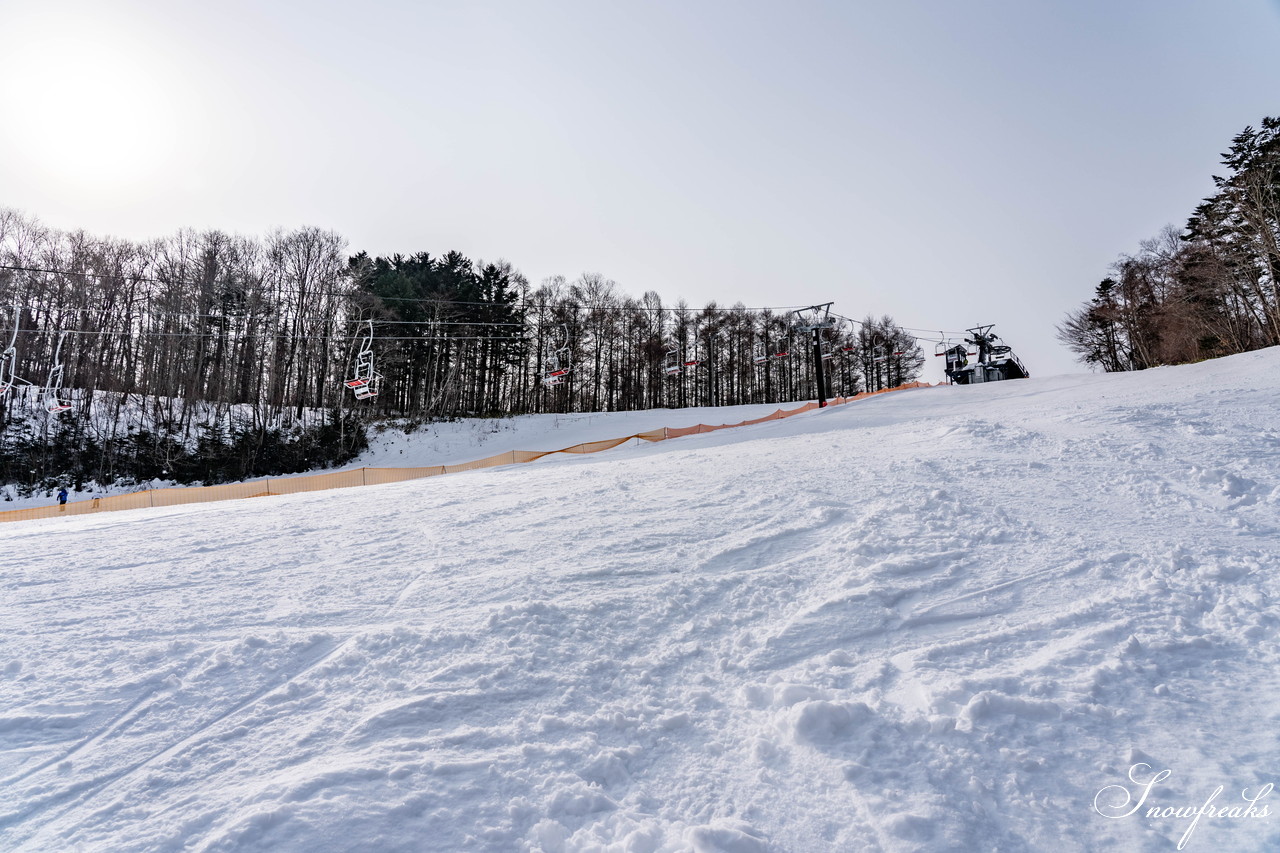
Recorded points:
(996, 360)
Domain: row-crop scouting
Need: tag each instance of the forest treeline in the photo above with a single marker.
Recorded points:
(208, 346)
(1207, 290)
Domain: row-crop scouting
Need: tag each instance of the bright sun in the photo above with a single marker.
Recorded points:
(87, 110)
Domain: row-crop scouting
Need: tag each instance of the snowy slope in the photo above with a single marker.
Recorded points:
(452, 442)
(943, 619)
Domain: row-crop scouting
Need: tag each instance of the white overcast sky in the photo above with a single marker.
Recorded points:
(948, 163)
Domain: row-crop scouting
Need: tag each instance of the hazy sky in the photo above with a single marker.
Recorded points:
(948, 163)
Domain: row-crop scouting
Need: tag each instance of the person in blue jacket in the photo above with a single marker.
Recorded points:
(62, 496)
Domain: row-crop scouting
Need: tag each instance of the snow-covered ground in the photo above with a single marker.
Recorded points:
(451, 442)
(465, 440)
(946, 619)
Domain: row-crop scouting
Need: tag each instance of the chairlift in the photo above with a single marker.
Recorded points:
(692, 361)
(556, 377)
(956, 355)
(558, 365)
(364, 384)
(9, 359)
(759, 356)
(671, 364)
(947, 345)
(49, 394)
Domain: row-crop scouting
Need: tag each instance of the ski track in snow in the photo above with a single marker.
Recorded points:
(936, 620)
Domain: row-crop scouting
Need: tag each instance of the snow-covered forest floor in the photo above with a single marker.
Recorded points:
(967, 618)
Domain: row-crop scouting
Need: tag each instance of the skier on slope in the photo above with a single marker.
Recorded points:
(62, 497)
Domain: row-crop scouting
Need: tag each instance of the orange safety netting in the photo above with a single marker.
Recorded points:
(378, 476)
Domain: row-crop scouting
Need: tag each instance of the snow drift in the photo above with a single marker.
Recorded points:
(946, 619)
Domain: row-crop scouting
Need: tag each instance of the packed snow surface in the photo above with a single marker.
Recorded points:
(1027, 615)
